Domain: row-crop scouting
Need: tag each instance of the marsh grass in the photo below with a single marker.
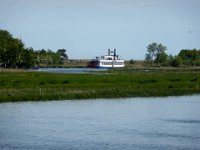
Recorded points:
(25, 86)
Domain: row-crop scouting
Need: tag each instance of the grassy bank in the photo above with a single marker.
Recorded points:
(24, 86)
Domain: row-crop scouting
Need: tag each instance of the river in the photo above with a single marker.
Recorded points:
(104, 124)
(72, 70)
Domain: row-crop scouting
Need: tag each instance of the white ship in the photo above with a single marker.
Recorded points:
(111, 60)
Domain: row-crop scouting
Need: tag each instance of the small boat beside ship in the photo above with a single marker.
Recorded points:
(111, 60)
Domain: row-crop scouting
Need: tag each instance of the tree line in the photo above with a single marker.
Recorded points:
(13, 54)
(156, 55)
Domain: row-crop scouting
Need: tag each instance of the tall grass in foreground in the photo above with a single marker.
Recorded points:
(23, 86)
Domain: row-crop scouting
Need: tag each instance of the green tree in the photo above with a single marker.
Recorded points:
(28, 58)
(190, 57)
(161, 57)
(151, 49)
(169, 61)
(47, 57)
(55, 57)
(176, 62)
(187, 54)
(160, 49)
(10, 49)
(156, 53)
(62, 52)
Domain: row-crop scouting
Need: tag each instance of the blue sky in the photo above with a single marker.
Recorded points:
(87, 28)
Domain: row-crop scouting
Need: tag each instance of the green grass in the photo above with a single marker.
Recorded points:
(34, 86)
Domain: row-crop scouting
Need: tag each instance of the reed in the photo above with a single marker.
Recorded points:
(34, 86)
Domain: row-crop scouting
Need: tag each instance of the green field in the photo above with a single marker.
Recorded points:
(35, 86)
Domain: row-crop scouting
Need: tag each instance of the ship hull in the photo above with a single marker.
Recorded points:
(106, 64)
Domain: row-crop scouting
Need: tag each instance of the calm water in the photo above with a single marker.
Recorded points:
(72, 70)
(135, 123)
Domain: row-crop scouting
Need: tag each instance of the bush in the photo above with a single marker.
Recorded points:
(197, 63)
(132, 61)
(176, 62)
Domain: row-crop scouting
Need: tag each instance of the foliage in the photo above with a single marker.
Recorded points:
(190, 57)
(156, 53)
(161, 57)
(28, 58)
(186, 54)
(62, 53)
(176, 62)
(13, 54)
(151, 49)
(47, 57)
(132, 61)
(10, 49)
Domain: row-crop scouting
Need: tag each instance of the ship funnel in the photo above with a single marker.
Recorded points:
(115, 53)
(109, 52)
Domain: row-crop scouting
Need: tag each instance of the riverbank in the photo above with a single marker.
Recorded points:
(33, 86)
